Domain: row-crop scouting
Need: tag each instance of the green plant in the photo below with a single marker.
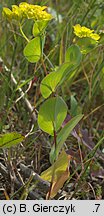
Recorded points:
(54, 109)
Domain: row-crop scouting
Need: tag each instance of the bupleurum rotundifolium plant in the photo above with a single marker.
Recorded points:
(53, 110)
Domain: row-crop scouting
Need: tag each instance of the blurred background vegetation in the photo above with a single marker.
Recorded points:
(83, 93)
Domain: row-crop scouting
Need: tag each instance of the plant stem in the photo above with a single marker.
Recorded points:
(43, 64)
(53, 172)
(55, 139)
(23, 34)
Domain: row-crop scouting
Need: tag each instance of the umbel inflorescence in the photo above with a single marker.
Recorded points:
(26, 11)
(82, 31)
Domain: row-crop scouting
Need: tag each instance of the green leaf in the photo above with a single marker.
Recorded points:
(32, 51)
(36, 30)
(75, 109)
(73, 55)
(59, 172)
(39, 27)
(66, 130)
(60, 165)
(86, 44)
(53, 80)
(49, 83)
(73, 58)
(10, 139)
(51, 114)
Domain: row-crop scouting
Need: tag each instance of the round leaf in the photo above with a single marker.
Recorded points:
(73, 55)
(32, 51)
(51, 114)
(53, 80)
(86, 44)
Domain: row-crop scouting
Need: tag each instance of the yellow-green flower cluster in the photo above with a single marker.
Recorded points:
(85, 32)
(26, 11)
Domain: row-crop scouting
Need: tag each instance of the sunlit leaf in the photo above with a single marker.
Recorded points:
(39, 27)
(32, 51)
(51, 114)
(10, 139)
(49, 83)
(36, 30)
(59, 171)
(53, 80)
(59, 183)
